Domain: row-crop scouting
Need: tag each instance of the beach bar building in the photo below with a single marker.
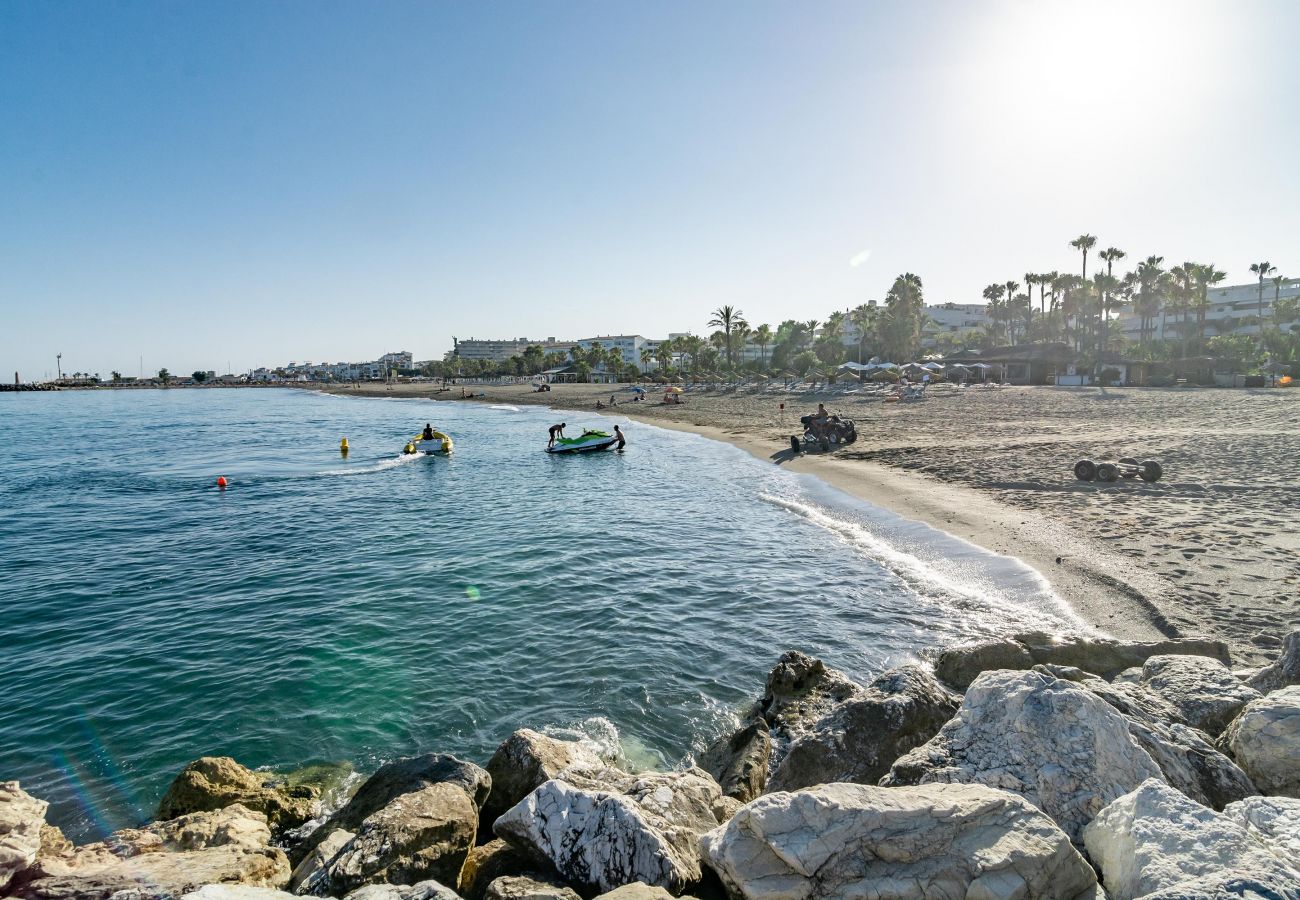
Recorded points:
(1030, 363)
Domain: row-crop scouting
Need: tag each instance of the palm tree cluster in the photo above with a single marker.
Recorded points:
(1078, 310)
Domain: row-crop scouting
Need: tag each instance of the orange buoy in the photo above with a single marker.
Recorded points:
(221, 481)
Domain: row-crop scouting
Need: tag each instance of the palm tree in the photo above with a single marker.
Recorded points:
(647, 357)
(1045, 280)
(1011, 293)
(1206, 277)
(1149, 275)
(728, 318)
(1031, 279)
(1263, 270)
(1277, 297)
(763, 337)
(1084, 243)
(1110, 254)
(864, 320)
(1184, 286)
(993, 294)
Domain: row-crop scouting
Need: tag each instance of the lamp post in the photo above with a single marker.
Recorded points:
(58, 361)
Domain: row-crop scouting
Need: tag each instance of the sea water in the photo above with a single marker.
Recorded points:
(356, 608)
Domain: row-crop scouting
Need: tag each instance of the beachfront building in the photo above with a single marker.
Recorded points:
(627, 346)
(958, 320)
(1232, 310)
(400, 360)
(497, 350)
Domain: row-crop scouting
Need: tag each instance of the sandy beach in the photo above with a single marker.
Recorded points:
(1210, 550)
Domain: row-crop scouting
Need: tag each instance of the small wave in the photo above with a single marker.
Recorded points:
(505, 407)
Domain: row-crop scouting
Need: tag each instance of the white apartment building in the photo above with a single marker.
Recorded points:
(1232, 310)
(957, 319)
(491, 350)
(399, 360)
(627, 346)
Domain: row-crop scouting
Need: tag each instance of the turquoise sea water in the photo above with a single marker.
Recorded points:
(331, 609)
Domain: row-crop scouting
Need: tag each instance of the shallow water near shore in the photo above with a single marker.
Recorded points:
(329, 608)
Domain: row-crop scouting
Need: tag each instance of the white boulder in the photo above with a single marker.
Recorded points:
(1204, 691)
(421, 890)
(853, 840)
(1284, 671)
(525, 761)
(1265, 742)
(1054, 742)
(1274, 821)
(1157, 839)
(21, 818)
(604, 829)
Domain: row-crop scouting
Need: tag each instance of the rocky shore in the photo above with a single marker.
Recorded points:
(1034, 766)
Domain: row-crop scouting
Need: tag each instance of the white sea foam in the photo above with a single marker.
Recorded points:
(984, 579)
(381, 465)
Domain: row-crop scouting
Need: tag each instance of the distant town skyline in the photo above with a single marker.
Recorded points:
(242, 182)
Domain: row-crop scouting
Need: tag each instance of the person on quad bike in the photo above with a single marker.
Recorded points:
(821, 421)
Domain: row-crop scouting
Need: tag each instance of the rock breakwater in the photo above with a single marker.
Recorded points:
(1029, 768)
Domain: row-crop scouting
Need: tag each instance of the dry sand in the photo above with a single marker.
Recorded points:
(1213, 549)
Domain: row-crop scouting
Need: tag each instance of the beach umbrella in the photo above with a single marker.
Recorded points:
(674, 389)
(932, 366)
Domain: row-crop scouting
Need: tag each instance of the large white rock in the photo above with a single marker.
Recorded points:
(1055, 743)
(1157, 839)
(165, 860)
(1204, 691)
(237, 892)
(1265, 741)
(21, 818)
(1274, 821)
(1185, 756)
(604, 829)
(853, 840)
(421, 890)
(525, 761)
(1284, 671)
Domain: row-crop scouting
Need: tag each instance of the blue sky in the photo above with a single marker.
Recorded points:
(204, 183)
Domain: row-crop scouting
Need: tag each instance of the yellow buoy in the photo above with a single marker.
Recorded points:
(343, 446)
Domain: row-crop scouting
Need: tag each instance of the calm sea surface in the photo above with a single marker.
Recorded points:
(332, 609)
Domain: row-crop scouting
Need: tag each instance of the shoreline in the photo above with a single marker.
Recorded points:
(1096, 585)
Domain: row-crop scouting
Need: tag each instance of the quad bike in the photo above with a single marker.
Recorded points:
(1124, 467)
(839, 431)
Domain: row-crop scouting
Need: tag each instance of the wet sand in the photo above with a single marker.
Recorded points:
(1212, 549)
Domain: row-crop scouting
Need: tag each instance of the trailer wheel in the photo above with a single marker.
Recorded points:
(1150, 471)
(1107, 472)
(1085, 470)
(794, 444)
(1127, 461)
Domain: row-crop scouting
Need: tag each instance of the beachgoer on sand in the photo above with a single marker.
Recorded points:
(556, 431)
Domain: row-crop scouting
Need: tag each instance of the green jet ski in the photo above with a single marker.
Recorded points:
(588, 442)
